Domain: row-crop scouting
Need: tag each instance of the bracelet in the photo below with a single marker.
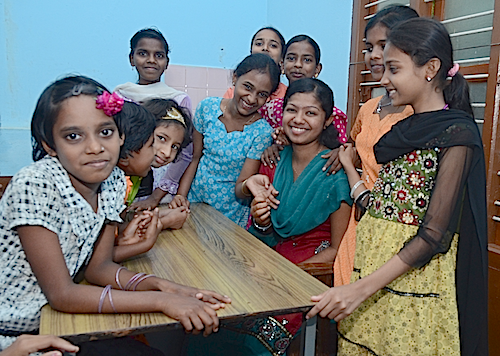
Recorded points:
(354, 187)
(243, 186)
(105, 291)
(132, 280)
(362, 195)
(261, 228)
(117, 279)
(139, 280)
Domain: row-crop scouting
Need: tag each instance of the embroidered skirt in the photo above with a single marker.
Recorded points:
(416, 314)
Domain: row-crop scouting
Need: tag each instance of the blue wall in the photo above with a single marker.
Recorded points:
(44, 40)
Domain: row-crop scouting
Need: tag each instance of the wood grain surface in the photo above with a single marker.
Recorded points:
(209, 252)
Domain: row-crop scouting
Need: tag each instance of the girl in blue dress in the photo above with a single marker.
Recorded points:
(229, 138)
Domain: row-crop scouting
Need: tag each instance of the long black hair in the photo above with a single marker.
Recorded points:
(423, 39)
(322, 92)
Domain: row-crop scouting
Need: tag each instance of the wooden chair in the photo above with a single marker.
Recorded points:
(326, 333)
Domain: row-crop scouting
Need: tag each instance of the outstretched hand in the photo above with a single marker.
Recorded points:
(260, 185)
(339, 302)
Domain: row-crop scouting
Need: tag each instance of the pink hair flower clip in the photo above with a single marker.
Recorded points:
(111, 104)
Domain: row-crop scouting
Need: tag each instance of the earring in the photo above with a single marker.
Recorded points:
(428, 78)
(316, 76)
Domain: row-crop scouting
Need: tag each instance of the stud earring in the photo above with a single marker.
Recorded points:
(428, 78)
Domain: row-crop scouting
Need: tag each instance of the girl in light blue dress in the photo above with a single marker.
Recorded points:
(229, 138)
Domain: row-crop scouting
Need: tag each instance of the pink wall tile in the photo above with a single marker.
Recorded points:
(175, 76)
(198, 82)
(196, 77)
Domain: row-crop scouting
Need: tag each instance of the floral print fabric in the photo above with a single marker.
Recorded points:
(224, 154)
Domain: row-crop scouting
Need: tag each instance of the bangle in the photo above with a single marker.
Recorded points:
(106, 290)
(354, 187)
(132, 280)
(243, 186)
(139, 280)
(117, 279)
(362, 195)
(261, 228)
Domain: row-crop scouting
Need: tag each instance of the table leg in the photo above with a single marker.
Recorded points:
(308, 337)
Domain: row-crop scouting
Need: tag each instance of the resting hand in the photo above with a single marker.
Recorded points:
(136, 228)
(27, 344)
(333, 164)
(147, 204)
(259, 184)
(178, 201)
(338, 302)
(214, 299)
(194, 314)
(271, 155)
(279, 136)
(260, 211)
(348, 155)
(174, 218)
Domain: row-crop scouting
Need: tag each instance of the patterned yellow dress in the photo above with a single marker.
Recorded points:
(417, 313)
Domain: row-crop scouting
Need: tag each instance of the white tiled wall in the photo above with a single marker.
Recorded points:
(198, 82)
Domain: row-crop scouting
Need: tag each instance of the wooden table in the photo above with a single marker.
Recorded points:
(209, 252)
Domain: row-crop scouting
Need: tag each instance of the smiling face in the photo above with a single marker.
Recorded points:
(404, 81)
(168, 140)
(150, 59)
(268, 42)
(86, 142)
(251, 91)
(376, 38)
(304, 119)
(300, 61)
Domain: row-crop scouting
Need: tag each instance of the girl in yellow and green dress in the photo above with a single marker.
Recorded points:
(419, 284)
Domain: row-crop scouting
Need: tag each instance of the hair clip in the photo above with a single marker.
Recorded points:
(77, 89)
(174, 114)
(111, 104)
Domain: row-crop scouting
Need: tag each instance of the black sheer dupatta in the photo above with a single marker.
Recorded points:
(457, 204)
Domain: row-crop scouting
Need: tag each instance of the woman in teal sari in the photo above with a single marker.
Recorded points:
(314, 207)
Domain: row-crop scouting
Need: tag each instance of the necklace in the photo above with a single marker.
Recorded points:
(296, 172)
(246, 122)
(383, 105)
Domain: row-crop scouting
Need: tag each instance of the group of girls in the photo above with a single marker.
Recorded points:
(410, 262)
